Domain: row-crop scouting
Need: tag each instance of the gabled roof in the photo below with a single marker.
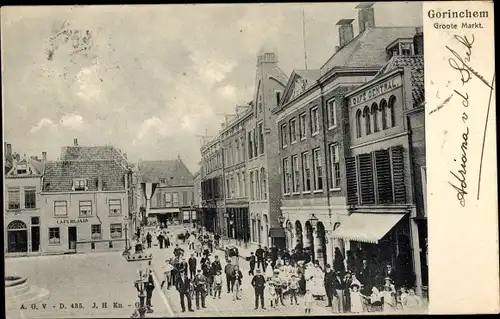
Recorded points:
(368, 49)
(33, 167)
(299, 80)
(415, 64)
(174, 171)
(59, 175)
(279, 75)
(88, 153)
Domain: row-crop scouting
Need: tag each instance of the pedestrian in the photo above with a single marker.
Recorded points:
(338, 285)
(160, 240)
(293, 289)
(192, 266)
(259, 283)
(150, 286)
(149, 239)
(356, 299)
(251, 260)
(411, 302)
(174, 273)
(228, 270)
(166, 239)
(259, 253)
(198, 248)
(328, 282)
(236, 278)
(210, 274)
(271, 294)
(167, 274)
(268, 271)
(184, 266)
(278, 288)
(200, 286)
(183, 287)
(217, 284)
(308, 300)
(216, 264)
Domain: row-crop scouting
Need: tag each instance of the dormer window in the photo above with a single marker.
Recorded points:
(22, 169)
(80, 184)
(402, 47)
(163, 181)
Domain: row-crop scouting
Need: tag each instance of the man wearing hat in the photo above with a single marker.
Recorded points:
(338, 286)
(258, 283)
(200, 288)
(328, 282)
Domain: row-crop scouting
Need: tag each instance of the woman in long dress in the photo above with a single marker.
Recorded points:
(309, 273)
(318, 286)
(356, 299)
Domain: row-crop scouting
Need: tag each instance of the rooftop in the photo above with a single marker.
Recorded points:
(175, 171)
(88, 153)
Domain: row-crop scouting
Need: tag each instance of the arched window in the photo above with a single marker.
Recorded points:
(263, 183)
(383, 109)
(366, 115)
(392, 104)
(358, 123)
(17, 225)
(375, 117)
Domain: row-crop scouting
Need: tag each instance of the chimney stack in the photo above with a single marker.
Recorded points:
(44, 156)
(8, 151)
(75, 142)
(346, 31)
(418, 41)
(366, 16)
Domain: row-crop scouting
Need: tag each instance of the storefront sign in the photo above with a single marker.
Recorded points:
(73, 221)
(376, 91)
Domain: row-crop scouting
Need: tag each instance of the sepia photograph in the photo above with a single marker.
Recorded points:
(214, 160)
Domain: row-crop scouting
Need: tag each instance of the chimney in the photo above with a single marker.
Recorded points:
(8, 150)
(366, 16)
(346, 31)
(44, 156)
(418, 41)
(75, 142)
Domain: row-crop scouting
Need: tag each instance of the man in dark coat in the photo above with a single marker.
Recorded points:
(192, 266)
(216, 265)
(328, 282)
(183, 266)
(339, 286)
(149, 239)
(150, 286)
(228, 270)
(184, 288)
(365, 275)
(160, 240)
(251, 260)
(258, 283)
(200, 288)
(259, 253)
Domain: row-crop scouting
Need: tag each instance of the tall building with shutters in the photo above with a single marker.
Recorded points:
(314, 129)
(385, 166)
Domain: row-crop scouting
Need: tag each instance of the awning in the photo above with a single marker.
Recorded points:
(368, 228)
(277, 233)
(163, 211)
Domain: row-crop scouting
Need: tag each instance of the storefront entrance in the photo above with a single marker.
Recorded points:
(72, 238)
(17, 237)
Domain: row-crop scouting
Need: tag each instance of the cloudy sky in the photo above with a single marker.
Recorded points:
(154, 77)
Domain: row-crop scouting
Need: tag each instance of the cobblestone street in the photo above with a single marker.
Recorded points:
(82, 279)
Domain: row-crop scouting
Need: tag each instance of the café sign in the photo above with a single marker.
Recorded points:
(73, 221)
(376, 91)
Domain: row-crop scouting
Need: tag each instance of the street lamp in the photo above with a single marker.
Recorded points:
(314, 221)
(141, 308)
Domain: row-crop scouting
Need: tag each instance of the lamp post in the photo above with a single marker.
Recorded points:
(141, 308)
(125, 252)
(281, 220)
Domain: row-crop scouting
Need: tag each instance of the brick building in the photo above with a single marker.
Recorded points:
(166, 191)
(313, 127)
(22, 205)
(85, 201)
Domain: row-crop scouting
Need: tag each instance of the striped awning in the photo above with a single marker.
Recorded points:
(368, 228)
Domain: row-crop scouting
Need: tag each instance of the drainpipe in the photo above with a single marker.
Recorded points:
(324, 118)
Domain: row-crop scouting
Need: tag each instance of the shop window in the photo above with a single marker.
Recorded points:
(14, 198)
(85, 208)
(115, 230)
(115, 207)
(54, 236)
(60, 208)
(95, 231)
(30, 198)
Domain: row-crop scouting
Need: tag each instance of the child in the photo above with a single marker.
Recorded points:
(217, 284)
(293, 289)
(388, 298)
(308, 299)
(271, 293)
(356, 299)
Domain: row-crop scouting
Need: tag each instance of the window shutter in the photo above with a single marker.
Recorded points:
(352, 184)
(384, 179)
(398, 175)
(366, 179)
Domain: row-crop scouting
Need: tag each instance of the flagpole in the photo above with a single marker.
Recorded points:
(304, 37)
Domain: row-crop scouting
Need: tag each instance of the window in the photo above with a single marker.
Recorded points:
(366, 115)
(257, 185)
(22, 169)
(302, 126)
(175, 199)
(278, 97)
(237, 148)
(260, 102)
(314, 121)
(85, 208)
(252, 185)
(358, 123)
(238, 185)
(255, 149)
(293, 136)
(35, 220)
(334, 166)
(230, 152)
(406, 49)
(332, 113)
(318, 170)
(306, 172)
(115, 230)
(168, 199)
(250, 145)
(80, 184)
(232, 187)
(261, 138)
(286, 176)
(263, 183)
(95, 232)
(295, 174)
(228, 189)
(242, 149)
(375, 117)
(14, 199)
(284, 134)
(392, 102)
(383, 110)
(163, 181)
(60, 208)
(54, 236)
(244, 184)
(115, 206)
(185, 199)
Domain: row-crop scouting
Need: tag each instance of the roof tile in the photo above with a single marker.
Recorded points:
(175, 171)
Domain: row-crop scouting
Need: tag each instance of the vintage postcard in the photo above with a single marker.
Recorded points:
(296, 159)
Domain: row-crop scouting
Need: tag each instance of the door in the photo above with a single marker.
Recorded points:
(72, 237)
(35, 238)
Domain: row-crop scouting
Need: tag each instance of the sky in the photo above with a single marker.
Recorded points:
(152, 79)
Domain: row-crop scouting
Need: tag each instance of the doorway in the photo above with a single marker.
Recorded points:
(35, 238)
(17, 237)
(72, 238)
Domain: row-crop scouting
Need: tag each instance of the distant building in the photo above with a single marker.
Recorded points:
(166, 191)
(22, 206)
